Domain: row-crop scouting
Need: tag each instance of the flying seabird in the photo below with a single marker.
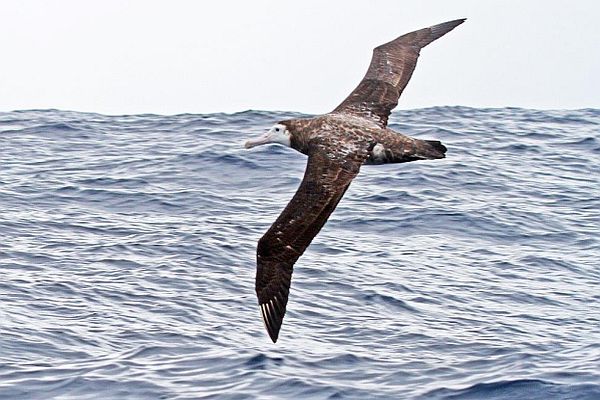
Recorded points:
(337, 144)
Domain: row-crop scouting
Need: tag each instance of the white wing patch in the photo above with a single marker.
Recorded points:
(378, 150)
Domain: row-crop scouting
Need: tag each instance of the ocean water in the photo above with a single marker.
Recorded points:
(127, 261)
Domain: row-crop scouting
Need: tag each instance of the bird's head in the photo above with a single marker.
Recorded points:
(279, 133)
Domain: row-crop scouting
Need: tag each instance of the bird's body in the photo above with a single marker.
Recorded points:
(337, 145)
(384, 145)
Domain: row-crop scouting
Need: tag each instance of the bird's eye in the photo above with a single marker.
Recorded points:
(276, 129)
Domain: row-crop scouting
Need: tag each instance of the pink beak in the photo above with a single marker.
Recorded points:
(262, 139)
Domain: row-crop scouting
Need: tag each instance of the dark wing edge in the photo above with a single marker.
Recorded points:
(390, 70)
(325, 182)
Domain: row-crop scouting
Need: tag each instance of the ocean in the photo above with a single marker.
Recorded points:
(127, 261)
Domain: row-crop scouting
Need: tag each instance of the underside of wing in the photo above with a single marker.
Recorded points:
(390, 70)
(325, 182)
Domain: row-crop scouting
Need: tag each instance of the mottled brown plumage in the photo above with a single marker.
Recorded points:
(390, 70)
(337, 145)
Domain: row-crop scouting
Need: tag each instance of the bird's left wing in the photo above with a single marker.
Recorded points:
(328, 174)
(390, 70)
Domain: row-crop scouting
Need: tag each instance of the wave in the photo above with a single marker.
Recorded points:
(128, 248)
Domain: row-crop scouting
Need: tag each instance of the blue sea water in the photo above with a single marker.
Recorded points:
(127, 261)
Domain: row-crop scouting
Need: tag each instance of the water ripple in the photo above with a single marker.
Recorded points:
(127, 255)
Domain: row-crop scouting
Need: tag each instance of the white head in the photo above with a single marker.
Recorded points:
(279, 133)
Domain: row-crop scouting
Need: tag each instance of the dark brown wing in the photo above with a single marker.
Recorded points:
(389, 72)
(326, 179)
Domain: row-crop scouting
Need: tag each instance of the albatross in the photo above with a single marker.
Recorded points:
(337, 145)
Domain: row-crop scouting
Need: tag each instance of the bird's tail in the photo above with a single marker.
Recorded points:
(397, 148)
(431, 149)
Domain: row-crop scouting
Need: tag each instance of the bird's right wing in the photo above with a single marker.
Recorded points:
(390, 70)
(327, 176)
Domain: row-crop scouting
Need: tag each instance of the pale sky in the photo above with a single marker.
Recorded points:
(168, 57)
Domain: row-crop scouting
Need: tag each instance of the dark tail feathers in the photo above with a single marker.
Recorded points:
(433, 149)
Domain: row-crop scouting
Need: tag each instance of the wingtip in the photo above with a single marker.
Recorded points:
(448, 26)
(271, 325)
(423, 37)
